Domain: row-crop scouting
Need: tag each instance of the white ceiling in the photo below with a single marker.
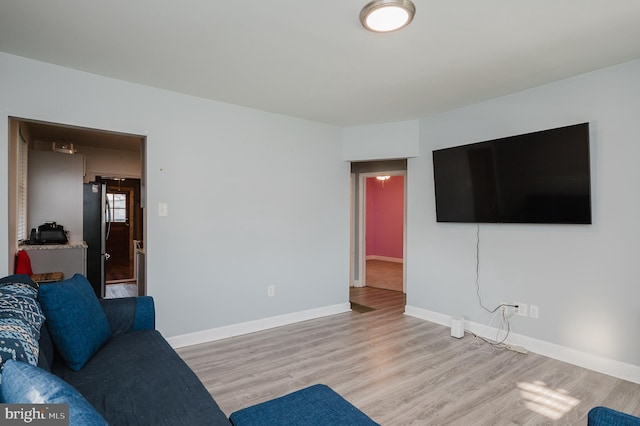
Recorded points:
(313, 60)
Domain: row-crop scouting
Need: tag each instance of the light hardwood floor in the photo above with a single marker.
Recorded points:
(404, 371)
(112, 291)
(383, 274)
(377, 298)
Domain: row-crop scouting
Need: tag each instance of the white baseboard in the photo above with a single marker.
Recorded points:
(233, 330)
(385, 258)
(358, 283)
(611, 367)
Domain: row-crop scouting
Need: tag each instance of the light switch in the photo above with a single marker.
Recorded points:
(163, 210)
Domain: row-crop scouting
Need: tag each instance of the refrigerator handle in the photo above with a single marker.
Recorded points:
(108, 218)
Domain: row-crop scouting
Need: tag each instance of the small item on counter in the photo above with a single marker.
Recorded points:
(48, 233)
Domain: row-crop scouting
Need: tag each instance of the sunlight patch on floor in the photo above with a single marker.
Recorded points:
(551, 403)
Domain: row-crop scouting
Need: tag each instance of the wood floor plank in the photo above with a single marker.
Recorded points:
(384, 274)
(402, 370)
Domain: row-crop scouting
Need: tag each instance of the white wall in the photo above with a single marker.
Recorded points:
(54, 191)
(585, 279)
(110, 162)
(254, 199)
(400, 139)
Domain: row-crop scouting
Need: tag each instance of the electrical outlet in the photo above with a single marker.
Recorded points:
(507, 310)
(533, 311)
(521, 310)
(271, 290)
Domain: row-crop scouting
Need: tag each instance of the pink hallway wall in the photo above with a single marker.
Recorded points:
(385, 217)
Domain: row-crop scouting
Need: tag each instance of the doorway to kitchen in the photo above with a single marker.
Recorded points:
(103, 154)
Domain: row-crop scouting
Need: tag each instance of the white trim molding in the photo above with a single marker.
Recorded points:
(233, 330)
(611, 367)
(357, 283)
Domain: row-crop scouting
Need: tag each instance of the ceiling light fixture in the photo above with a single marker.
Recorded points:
(383, 16)
(65, 148)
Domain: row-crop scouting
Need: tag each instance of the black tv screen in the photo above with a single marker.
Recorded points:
(540, 177)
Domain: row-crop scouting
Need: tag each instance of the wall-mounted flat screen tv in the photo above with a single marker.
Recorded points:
(540, 177)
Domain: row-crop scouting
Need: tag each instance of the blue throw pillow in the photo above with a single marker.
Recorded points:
(75, 319)
(25, 384)
(20, 320)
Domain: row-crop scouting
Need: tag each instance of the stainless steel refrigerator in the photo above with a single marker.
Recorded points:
(96, 226)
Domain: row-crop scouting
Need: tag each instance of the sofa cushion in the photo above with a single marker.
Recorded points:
(77, 323)
(127, 314)
(25, 384)
(604, 416)
(20, 320)
(142, 380)
(316, 405)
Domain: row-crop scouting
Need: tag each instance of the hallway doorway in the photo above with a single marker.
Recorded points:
(378, 226)
(383, 245)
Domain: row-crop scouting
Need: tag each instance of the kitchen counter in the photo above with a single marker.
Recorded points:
(69, 245)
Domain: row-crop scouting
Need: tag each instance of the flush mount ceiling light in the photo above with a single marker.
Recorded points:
(383, 16)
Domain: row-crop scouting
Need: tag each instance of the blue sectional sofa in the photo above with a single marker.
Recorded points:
(59, 344)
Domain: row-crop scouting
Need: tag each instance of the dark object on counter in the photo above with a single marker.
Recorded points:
(48, 233)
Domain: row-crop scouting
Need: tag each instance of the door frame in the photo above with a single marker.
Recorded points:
(109, 179)
(131, 224)
(360, 240)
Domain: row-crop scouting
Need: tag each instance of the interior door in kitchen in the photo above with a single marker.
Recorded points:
(124, 202)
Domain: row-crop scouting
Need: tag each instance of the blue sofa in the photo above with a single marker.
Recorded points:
(141, 379)
(131, 376)
(603, 416)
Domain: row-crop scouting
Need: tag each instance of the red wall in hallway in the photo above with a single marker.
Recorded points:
(385, 217)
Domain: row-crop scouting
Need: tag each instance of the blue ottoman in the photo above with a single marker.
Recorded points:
(315, 405)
